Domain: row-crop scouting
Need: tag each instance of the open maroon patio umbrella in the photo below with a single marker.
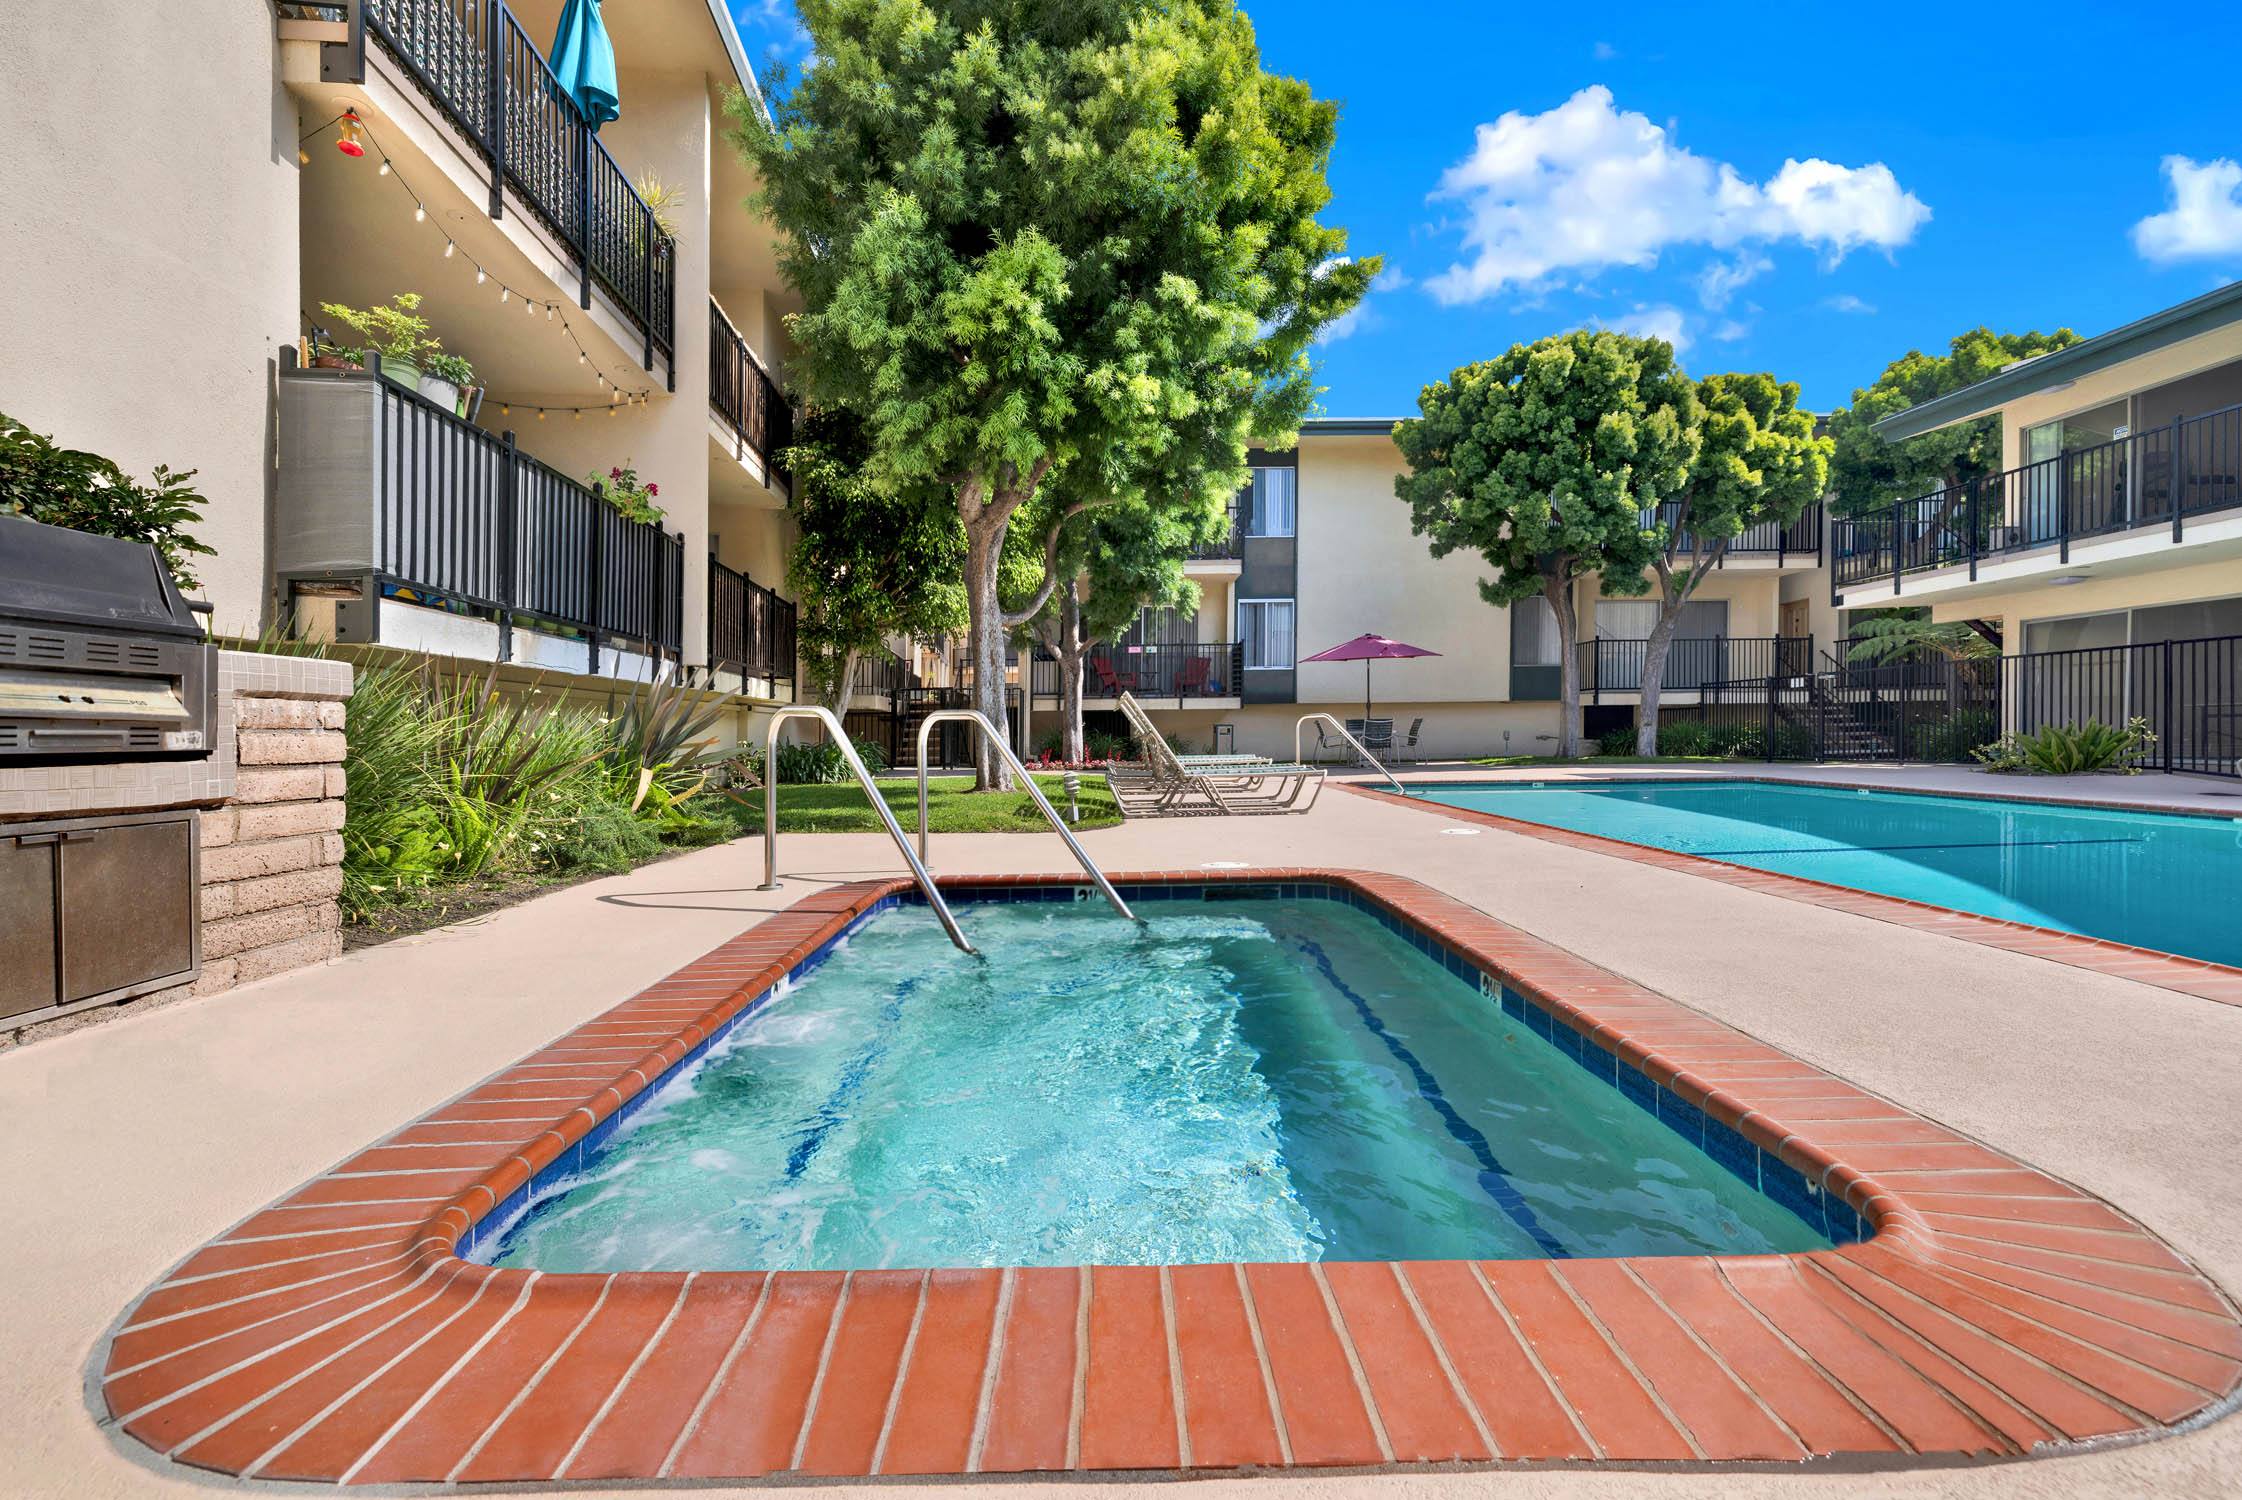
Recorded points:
(1367, 649)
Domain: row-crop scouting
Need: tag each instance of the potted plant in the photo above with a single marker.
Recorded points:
(396, 331)
(445, 379)
(634, 501)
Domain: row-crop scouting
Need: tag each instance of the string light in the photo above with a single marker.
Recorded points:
(353, 132)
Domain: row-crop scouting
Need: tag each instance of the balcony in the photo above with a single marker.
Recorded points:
(421, 530)
(474, 62)
(750, 631)
(1615, 667)
(1224, 548)
(2160, 478)
(1797, 544)
(743, 393)
(1183, 671)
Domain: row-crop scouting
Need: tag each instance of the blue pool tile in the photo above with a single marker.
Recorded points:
(1788, 1186)
(1685, 1120)
(1601, 1065)
(1567, 1039)
(1513, 1004)
(1537, 1021)
(1638, 1088)
(1732, 1151)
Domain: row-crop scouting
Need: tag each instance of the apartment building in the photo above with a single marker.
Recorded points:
(2116, 517)
(619, 306)
(1321, 552)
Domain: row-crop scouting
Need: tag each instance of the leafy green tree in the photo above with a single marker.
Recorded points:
(1757, 461)
(1891, 635)
(866, 564)
(1113, 563)
(1867, 473)
(86, 492)
(1032, 238)
(1543, 460)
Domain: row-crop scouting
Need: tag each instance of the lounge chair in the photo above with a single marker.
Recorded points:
(1111, 683)
(1213, 784)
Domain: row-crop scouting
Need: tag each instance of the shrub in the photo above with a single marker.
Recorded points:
(86, 492)
(822, 764)
(1619, 741)
(1686, 737)
(2070, 750)
(632, 498)
(395, 329)
(1953, 738)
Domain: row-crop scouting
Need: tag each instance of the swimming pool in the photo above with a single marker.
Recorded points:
(1255, 1075)
(2151, 880)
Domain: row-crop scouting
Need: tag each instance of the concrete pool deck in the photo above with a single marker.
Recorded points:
(137, 1140)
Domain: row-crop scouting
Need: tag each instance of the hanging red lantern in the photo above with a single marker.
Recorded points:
(349, 143)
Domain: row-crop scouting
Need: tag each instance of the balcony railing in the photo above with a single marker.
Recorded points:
(377, 482)
(1196, 669)
(472, 58)
(1801, 539)
(750, 629)
(1222, 548)
(1616, 666)
(743, 393)
(2158, 477)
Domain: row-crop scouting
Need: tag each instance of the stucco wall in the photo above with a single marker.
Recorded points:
(148, 165)
(2184, 358)
(2180, 585)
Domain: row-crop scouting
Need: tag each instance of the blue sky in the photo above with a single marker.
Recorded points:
(1814, 201)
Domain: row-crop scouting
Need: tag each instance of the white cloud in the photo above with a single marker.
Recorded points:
(1586, 185)
(2205, 218)
(1730, 331)
(1846, 302)
(1605, 52)
(1658, 321)
(1719, 282)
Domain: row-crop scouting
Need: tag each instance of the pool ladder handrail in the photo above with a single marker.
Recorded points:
(990, 736)
(871, 789)
(1368, 759)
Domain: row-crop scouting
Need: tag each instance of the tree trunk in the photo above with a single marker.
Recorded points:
(843, 686)
(1654, 676)
(1558, 591)
(1074, 656)
(984, 547)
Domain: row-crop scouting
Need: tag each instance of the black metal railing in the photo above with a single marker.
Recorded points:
(743, 393)
(1223, 547)
(2157, 477)
(1195, 669)
(2189, 693)
(750, 628)
(1800, 539)
(472, 58)
(468, 517)
(884, 675)
(1616, 666)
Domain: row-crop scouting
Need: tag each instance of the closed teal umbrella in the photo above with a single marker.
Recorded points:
(584, 62)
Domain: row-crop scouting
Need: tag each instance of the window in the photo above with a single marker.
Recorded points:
(1265, 630)
(1269, 504)
(1161, 625)
(1533, 633)
(1633, 619)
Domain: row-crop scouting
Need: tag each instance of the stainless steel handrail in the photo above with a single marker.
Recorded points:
(989, 733)
(1371, 760)
(871, 789)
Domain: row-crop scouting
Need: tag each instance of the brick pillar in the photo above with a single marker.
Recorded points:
(272, 856)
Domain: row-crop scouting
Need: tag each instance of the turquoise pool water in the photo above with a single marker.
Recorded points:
(1255, 1079)
(2153, 880)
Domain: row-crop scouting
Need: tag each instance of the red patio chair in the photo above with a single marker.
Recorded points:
(1112, 684)
(1191, 677)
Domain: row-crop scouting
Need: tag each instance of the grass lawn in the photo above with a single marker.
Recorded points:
(1589, 760)
(951, 807)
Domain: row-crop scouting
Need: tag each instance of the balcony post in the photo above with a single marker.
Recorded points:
(2063, 507)
(648, 231)
(508, 531)
(1897, 507)
(584, 145)
(2178, 489)
(494, 102)
(595, 566)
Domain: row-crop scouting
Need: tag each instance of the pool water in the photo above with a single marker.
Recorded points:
(2153, 880)
(1252, 1079)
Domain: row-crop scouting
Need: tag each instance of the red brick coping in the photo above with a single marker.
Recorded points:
(2171, 971)
(336, 1336)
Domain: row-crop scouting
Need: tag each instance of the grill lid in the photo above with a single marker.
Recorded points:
(68, 577)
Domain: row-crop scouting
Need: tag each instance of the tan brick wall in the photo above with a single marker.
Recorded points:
(272, 857)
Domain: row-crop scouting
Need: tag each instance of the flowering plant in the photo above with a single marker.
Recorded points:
(632, 498)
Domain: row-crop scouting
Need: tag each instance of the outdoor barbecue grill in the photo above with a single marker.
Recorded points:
(101, 660)
(102, 663)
